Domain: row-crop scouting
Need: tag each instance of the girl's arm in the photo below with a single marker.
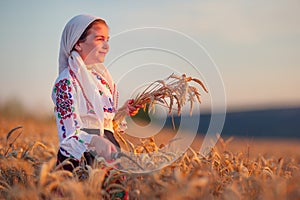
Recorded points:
(73, 141)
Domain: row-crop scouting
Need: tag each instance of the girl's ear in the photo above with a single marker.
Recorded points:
(77, 47)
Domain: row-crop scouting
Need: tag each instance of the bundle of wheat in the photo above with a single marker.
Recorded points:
(173, 89)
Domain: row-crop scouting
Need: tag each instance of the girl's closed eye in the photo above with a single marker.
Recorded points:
(102, 38)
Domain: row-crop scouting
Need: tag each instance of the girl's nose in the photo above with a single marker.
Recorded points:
(105, 45)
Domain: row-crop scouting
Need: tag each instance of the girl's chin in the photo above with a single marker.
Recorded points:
(91, 62)
(100, 59)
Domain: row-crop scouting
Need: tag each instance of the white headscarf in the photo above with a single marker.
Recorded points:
(68, 58)
(71, 34)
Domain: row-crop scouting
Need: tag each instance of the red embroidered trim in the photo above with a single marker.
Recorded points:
(89, 105)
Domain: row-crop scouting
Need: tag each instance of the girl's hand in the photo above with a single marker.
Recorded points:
(103, 147)
(132, 110)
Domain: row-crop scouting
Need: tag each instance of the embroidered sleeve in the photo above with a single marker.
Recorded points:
(73, 141)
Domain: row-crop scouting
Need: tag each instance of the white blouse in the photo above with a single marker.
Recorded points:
(74, 112)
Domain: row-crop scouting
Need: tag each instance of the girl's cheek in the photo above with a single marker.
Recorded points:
(99, 45)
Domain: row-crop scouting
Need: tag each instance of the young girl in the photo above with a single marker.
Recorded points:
(84, 93)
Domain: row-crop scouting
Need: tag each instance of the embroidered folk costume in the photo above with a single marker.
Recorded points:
(85, 97)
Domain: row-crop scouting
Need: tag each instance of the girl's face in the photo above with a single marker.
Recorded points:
(95, 47)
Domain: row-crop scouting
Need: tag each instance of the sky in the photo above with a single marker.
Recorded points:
(249, 50)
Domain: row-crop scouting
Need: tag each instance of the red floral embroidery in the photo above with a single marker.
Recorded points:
(64, 99)
(103, 82)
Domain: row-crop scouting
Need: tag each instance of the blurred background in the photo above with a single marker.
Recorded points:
(255, 45)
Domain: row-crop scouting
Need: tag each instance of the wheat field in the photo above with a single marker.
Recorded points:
(237, 168)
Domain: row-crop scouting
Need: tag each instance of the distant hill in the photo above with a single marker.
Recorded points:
(278, 123)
